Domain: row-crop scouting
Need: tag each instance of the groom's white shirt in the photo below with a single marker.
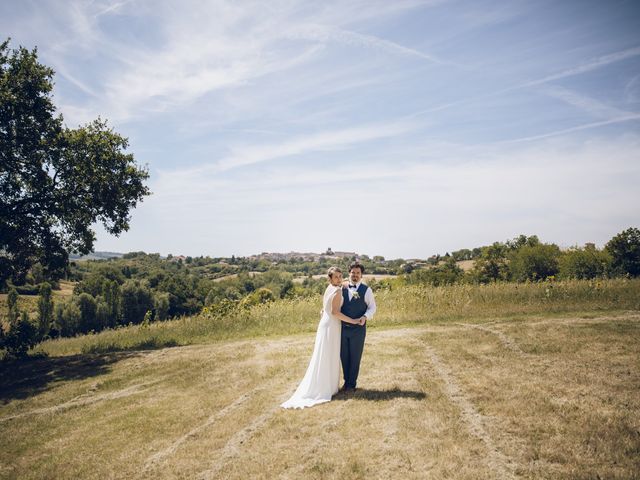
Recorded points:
(368, 299)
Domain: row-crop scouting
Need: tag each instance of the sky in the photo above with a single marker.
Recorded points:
(399, 128)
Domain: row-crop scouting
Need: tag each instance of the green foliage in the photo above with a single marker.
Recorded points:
(534, 262)
(55, 181)
(625, 252)
(446, 273)
(21, 337)
(492, 265)
(261, 295)
(161, 304)
(94, 282)
(463, 254)
(12, 306)
(111, 295)
(45, 310)
(104, 319)
(27, 289)
(67, 318)
(523, 241)
(88, 307)
(585, 263)
(135, 301)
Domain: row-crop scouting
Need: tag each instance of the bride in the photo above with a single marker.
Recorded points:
(322, 378)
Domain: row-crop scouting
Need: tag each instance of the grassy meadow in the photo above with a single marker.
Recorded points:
(401, 306)
(462, 382)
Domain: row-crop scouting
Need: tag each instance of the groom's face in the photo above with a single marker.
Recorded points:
(355, 275)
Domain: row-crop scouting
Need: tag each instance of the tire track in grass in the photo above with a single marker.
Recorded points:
(298, 471)
(506, 341)
(496, 460)
(233, 447)
(157, 458)
(83, 400)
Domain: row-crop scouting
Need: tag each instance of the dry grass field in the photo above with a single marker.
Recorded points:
(549, 396)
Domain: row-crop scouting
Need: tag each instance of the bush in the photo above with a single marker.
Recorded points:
(261, 295)
(21, 337)
(537, 262)
(584, 264)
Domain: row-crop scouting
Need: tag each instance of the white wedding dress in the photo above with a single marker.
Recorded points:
(322, 379)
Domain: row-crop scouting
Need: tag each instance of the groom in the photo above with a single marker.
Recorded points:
(358, 302)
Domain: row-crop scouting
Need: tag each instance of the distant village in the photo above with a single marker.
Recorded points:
(305, 257)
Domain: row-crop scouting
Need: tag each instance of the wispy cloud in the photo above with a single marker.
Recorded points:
(588, 66)
(326, 33)
(629, 117)
(243, 155)
(446, 203)
(584, 103)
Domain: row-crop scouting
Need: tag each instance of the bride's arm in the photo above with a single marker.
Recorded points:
(335, 310)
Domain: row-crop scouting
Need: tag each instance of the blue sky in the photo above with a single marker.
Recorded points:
(396, 128)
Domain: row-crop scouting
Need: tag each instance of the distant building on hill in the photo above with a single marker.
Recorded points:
(302, 256)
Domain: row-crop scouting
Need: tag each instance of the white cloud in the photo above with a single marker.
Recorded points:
(566, 192)
(590, 65)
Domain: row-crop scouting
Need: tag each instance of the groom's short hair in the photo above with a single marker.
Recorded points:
(356, 264)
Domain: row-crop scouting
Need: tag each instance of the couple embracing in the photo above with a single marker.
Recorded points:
(339, 339)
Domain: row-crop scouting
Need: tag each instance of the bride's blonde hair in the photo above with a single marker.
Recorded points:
(333, 270)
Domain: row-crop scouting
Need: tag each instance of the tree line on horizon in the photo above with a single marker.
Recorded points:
(142, 288)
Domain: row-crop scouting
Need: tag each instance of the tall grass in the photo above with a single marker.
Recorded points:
(406, 305)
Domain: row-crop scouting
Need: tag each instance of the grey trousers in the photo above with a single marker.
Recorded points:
(351, 348)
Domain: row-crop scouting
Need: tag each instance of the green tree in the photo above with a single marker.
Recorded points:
(534, 262)
(492, 264)
(103, 316)
(522, 240)
(111, 295)
(12, 306)
(88, 307)
(585, 263)
(625, 251)
(135, 300)
(45, 310)
(67, 318)
(21, 337)
(161, 304)
(55, 182)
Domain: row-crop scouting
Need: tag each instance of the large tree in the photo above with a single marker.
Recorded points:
(625, 250)
(55, 182)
